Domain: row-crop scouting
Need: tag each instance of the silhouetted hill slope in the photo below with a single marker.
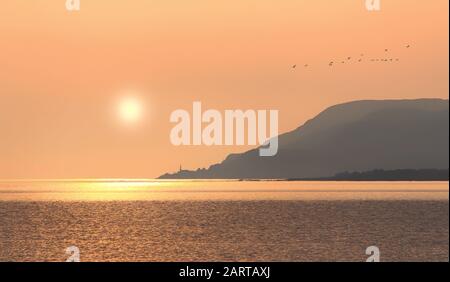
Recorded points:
(355, 136)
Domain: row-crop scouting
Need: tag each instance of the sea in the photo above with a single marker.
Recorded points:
(222, 220)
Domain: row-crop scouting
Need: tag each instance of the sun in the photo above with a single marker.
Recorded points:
(130, 110)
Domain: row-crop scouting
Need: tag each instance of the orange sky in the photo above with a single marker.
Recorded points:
(61, 73)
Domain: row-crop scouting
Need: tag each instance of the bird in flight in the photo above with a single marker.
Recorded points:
(331, 64)
(385, 50)
(407, 46)
(294, 66)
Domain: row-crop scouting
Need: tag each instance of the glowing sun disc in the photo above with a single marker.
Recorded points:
(130, 110)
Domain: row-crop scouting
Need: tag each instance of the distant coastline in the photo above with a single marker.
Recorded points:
(385, 175)
(371, 175)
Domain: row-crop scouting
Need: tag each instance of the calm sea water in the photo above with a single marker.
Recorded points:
(111, 220)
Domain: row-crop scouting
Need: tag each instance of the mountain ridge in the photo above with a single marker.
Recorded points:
(392, 134)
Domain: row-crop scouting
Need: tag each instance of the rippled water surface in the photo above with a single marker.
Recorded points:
(223, 220)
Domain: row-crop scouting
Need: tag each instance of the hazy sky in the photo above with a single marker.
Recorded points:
(62, 73)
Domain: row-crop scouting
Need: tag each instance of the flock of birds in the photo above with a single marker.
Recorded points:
(359, 59)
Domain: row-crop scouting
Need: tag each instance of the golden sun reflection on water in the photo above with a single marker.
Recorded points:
(162, 190)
